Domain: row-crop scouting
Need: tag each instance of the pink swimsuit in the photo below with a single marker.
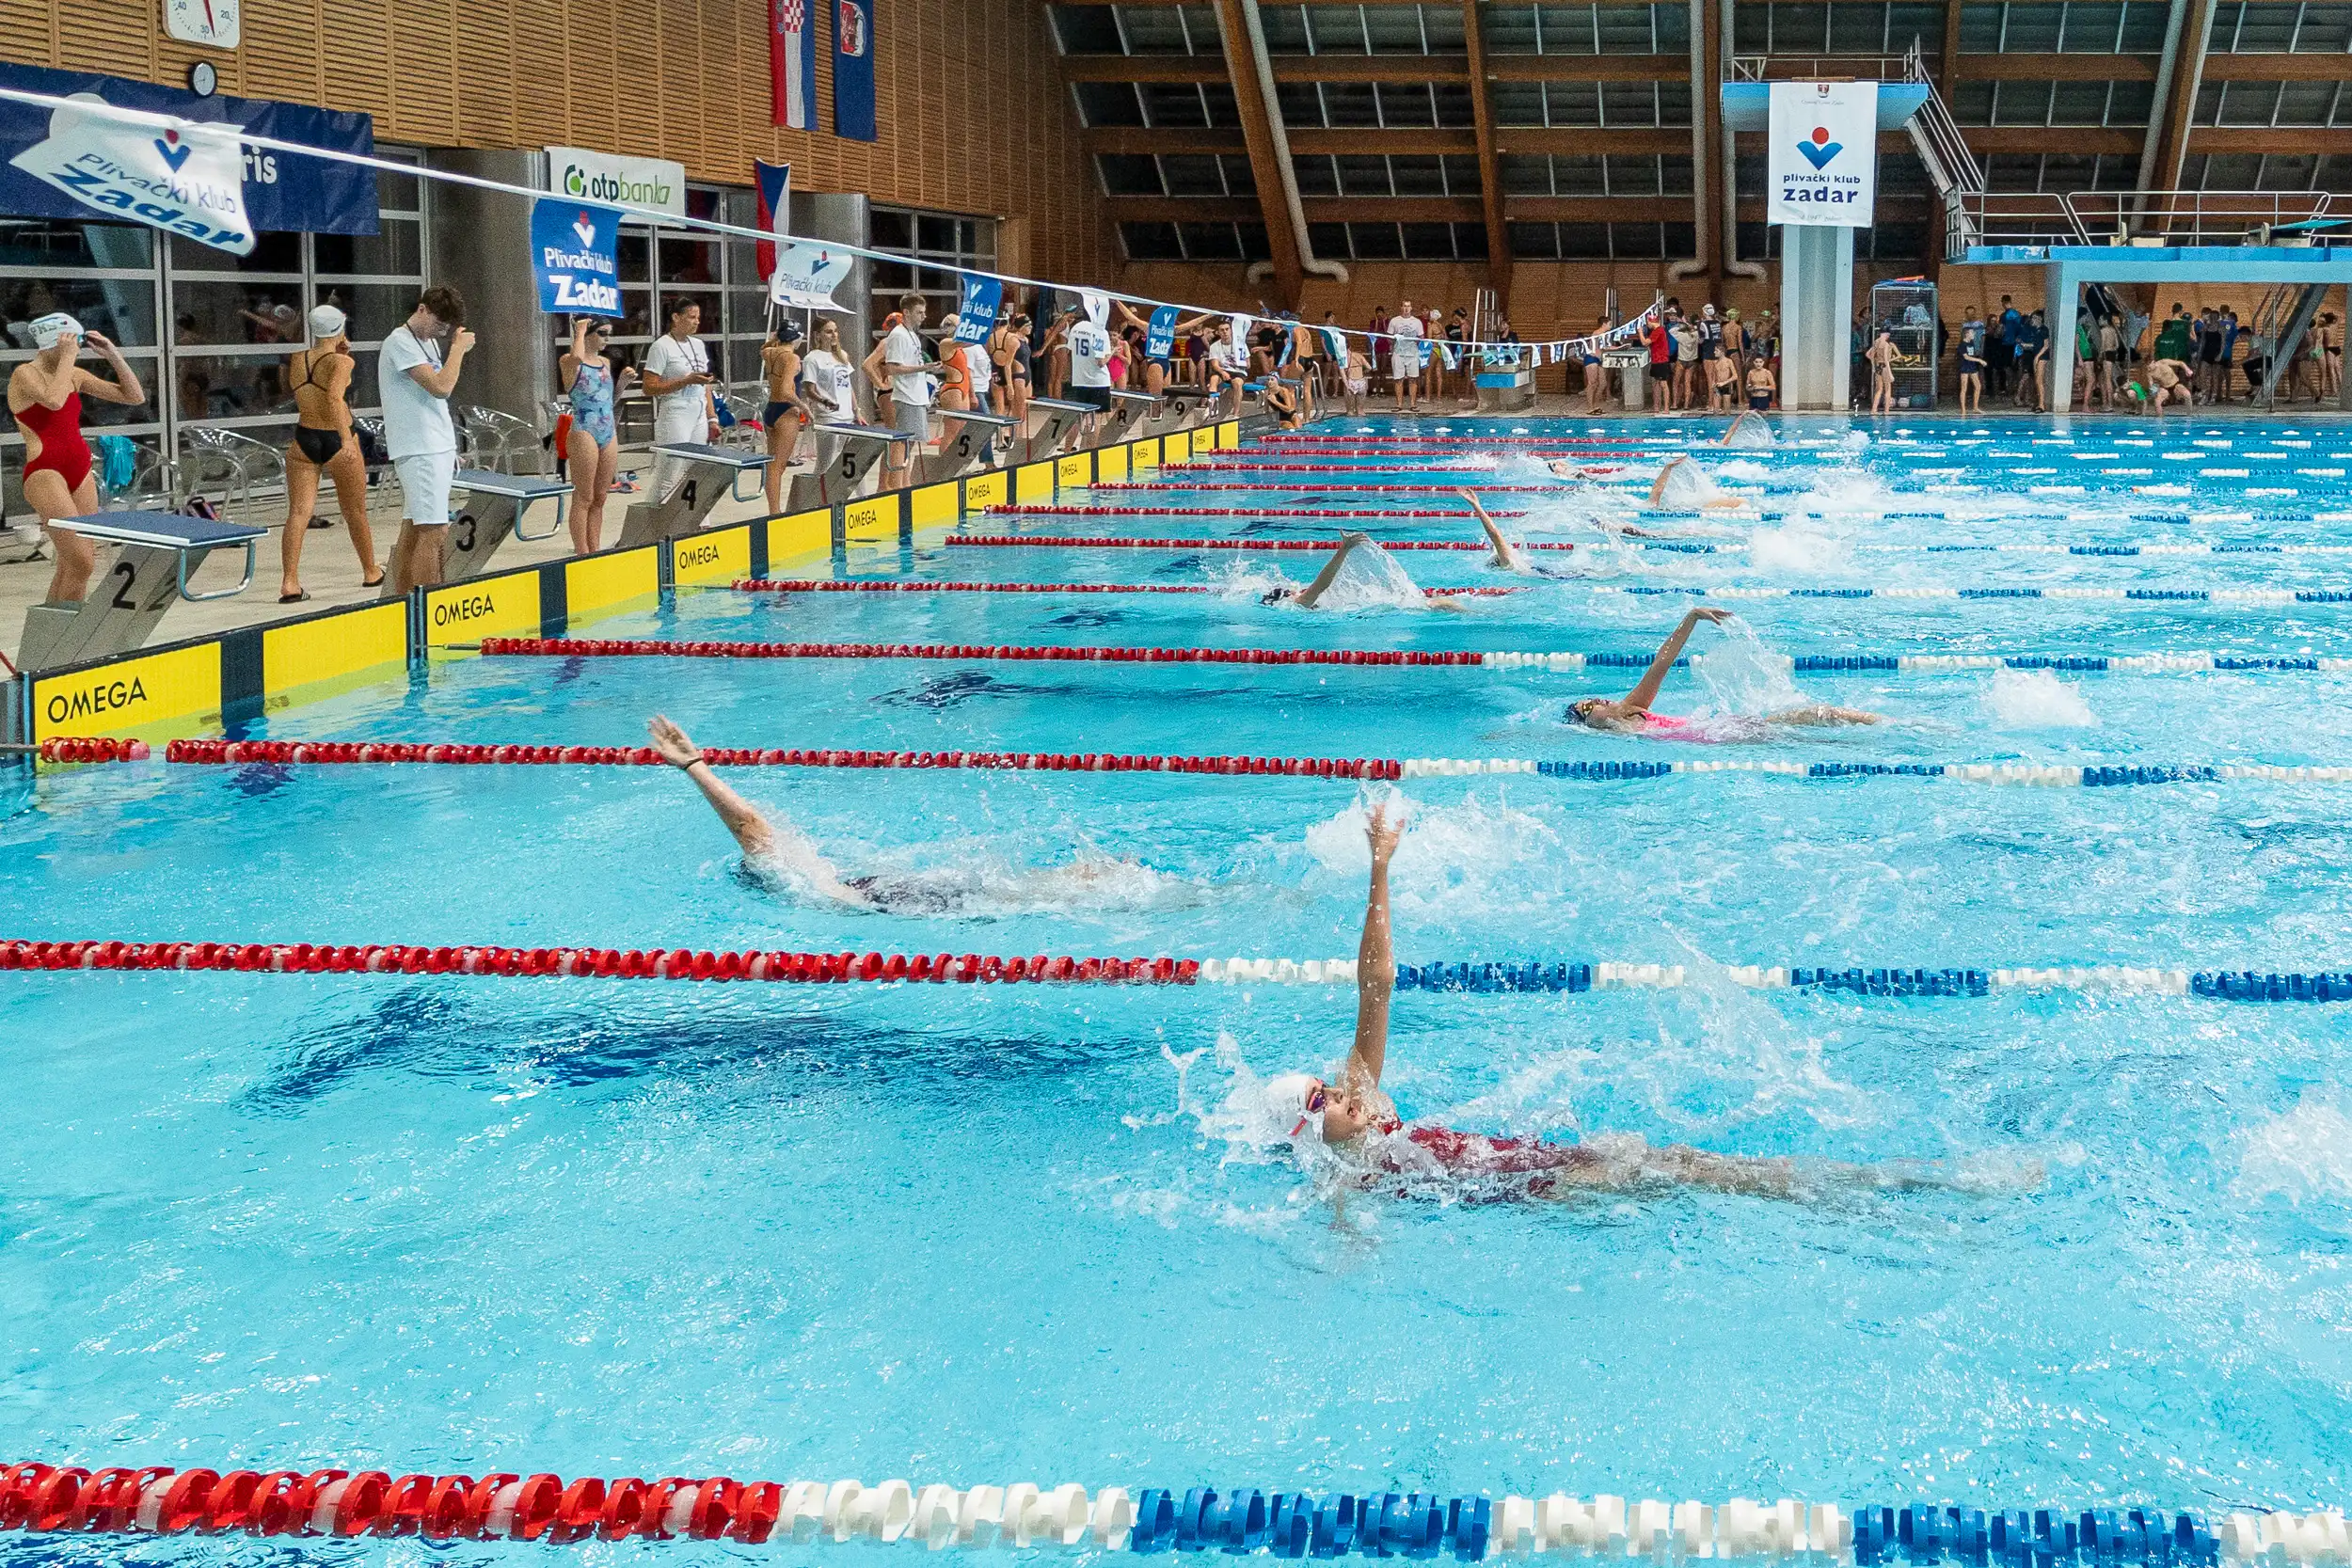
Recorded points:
(1665, 726)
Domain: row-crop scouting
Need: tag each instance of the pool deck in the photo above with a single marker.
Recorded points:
(332, 575)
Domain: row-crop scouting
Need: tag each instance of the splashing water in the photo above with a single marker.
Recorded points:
(1745, 469)
(2036, 700)
(1803, 547)
(1465, 859)
(1744, 677)
(1371, 579)
(1687, 487)
(2302, 1155)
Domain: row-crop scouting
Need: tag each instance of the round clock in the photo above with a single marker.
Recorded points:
(202, 79)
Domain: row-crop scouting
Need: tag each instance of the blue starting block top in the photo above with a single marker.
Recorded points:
(172, 531)
(968, 415)
(703, 452)
(526, 487)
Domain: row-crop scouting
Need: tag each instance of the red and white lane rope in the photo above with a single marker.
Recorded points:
(1451, 441)
(811, 585)
(599, 963)
(300, 752)
(1318, 488)
(1373, 512)
(84, 749)
(1131, 542)
(575, 647)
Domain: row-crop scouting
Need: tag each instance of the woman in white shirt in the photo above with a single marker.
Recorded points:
(829, 387)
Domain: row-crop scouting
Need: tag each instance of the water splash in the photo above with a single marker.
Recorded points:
(1371, 579)
(2036, 700)
(1744, 677)
(2303, 1155)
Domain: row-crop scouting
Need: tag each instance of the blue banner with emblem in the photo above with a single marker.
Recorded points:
(853, 69)
(284, 192)
(576, 253)
(1159, 339)
(975, 307)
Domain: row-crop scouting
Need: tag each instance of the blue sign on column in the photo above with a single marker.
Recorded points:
(1159, 339)
(975, 310)
(576, 251)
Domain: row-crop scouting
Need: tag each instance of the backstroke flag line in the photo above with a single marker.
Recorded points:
(189, 182)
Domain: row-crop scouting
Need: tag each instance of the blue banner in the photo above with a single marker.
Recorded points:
(853, 69)
(975, 307)
(284, 192)
(575, 250)
(1159, 339)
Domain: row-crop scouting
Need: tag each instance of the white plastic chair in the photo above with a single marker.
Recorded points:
(496, 441)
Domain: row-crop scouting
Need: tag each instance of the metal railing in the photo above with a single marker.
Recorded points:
(2033, 218)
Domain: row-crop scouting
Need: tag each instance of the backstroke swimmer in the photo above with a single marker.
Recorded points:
(1631, 714)
(778, 857)
(1353, 1118)
(1310, 595)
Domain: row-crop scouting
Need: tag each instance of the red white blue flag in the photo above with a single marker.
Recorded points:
(774, 183)
(792, 64)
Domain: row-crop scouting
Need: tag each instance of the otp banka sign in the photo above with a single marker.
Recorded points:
(1823, 167)
(655, 185)
(576, 251)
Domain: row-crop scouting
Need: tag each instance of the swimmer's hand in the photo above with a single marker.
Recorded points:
(1710, 613)
(676, 747)
(1382, 833)
(1350, 541)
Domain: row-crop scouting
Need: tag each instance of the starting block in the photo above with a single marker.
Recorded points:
(1127, 409)
(974, 448)
(846, 453)
(157, 551)
(1181, 408)
(492, 512)
(1051, 420)
(711, 472)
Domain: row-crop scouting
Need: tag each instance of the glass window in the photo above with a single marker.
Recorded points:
(1525, 174)
(1673, 26)
(95, 415)
(373, 308)
(1128, 173)
(1317, 174)
(1216, 102)
(1674, 103)
(1461, 174)
(1365, 176)
(57, 244)
(1418, 177)
(1637, 241)
(1405, 104)
(1210, 241)
(2078, 103)
(1240, 179)
(1453, 100)
(1428, 242)
(1516, 103)
(1107, 103)
(1569, 29)
(1629, 104)
(1337, 29)
(1285, 28)
(1172, 103)
(1510, 29)
(1192, 174)
(1857, 29)
(1442, 26)
(1922, 23)
(1583, 242)
(1972, 103)
(1633, 174)
(1151, 241)
(1085, 29)
(1533, 242)
(2031, 29)
(1376, 242)
(2288, 171)
(2265, 29)
(2144, 23)
(121, 308)
(1751, 30)
(1393, 30)
(2248, 103)
(2325, 30)
(1152, 30)
(1300, 103)
(1800, 28)
(1624, 30)
(1350, 103)
(398, 249)
(1979, 29)
(1582, 175)
(274, 253)
(2022, 103)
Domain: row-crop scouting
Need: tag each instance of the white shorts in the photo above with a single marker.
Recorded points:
(1404, 366)
(1356, 388)
(426, 481)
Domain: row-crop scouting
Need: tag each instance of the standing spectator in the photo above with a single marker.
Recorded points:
(2110, 358)
(2330, 356)
(2209, 341)
(1972, 352)
(1596, 378)
(784, 414)
(592, 451)
(1736, 342)
(829, 387)
(1766, 346)
(1661, 367)
(2008, 359)
(2229, 348)
(1879, 356)
(1685, 337)
(1090, 351)
(678, 377)
(2024, 343)
(2175, 338)
(900, 362)
(1404, 338)
(1433, 355)
(413, 381)
(1710, 328)
(1456, 336)
(1376, 331)
(324, 446)
(2037, 362)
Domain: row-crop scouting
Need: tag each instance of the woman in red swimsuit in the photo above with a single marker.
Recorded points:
(45, 396)
(1356, 1117)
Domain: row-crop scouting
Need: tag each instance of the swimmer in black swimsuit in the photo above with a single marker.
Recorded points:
(1354, 1117)
(777, 858)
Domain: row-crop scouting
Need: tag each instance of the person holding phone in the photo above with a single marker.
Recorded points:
(678, 377)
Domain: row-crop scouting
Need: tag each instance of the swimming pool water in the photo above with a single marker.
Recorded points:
(981, 1234)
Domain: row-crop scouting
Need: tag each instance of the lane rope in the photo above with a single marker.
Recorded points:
(790, 585)
(1042, 509)
(1312, 487)
(2142, 595)
(1130, 542)
(545, 1508)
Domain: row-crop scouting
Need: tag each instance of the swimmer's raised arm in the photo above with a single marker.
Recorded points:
(1505, 557)
(1375, 962)
(1645, 691)
(743, 818)
(1305, 598)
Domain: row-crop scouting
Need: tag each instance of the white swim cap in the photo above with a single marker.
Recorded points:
(326, 321)
(1286, 1098)
(49, 328)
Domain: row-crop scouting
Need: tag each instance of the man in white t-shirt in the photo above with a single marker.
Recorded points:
(1405, 350)
(678, 377)
(901, 361)
(1089, 375)
(1228, 364)
(414, 377)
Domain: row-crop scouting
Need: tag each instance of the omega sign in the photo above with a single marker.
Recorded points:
(583, 175)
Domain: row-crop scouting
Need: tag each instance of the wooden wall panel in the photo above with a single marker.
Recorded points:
(975, 114)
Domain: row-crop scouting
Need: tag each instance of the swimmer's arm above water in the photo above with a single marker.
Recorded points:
(1505, 558)
(1306, 597)
(1646, 691)
(743, 818)
(1375, 962)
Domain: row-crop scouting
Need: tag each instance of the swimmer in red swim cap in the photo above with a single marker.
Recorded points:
(1354, 1117)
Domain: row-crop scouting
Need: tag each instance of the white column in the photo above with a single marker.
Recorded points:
(2059, 307)
(1816, 318)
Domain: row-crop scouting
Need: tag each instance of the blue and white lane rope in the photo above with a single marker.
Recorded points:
(2047, 775)
(1576, 978)
(2193, 663)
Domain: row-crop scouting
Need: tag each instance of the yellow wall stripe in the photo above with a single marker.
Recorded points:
(717, 555)
(935, 503)
(603, 584)
(129, 695)
(506, 606)
(799, 539)
(982, 491)
(332, 647)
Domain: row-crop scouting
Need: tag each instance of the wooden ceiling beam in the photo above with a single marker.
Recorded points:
(1489, 164)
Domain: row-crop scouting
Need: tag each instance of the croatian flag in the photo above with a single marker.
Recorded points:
(774, 183)
(791, 65)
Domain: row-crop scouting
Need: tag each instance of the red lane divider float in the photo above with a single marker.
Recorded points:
(811, 585)
(1453, 442)
(1250, 466)
(1122, 542)
(591, 964)
(1316, 487)
(291, 752)
(573, 647)
(1266, 513)
(87, 749)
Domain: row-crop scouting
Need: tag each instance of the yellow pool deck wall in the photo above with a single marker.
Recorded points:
(206, 685)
